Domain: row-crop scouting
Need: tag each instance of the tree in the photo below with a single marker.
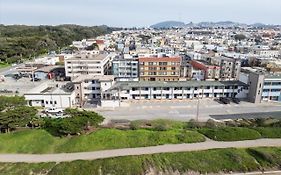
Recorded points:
(74, 124)
(11, 102)
(239, 37)
(19, 116)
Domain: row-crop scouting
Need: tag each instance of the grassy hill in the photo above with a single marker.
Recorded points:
(209, 161)
(19, 42)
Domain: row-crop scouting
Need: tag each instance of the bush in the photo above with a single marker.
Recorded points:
(230, 133)
(193, 124)
(75, 124)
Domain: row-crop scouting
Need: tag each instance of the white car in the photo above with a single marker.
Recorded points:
(54, 110)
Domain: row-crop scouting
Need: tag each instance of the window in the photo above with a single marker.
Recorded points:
(55, 102)
(51, 102)
(47, 102)
(173, 68)
(150, 63)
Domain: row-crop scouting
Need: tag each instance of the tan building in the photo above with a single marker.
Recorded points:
(160, 68)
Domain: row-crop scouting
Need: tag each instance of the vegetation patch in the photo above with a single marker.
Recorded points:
(209, 161)
(230, 133)
(40, 141)
(269, 132)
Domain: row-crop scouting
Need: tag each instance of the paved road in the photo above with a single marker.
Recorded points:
(273, 114)
(184, 110)
(209, 144)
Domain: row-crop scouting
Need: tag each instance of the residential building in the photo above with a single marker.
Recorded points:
(125, 69)
(272, 88)
(88, 64)
(88, 88)
(122, 91)
(210, 71)
(159, 68)
(229, 67)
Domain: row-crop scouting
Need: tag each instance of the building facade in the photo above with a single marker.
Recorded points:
(229, 67)
(272, 88)
(88, 64)
(51, 95)
(88, 89)
(123, 91)
(159, 68)
(125, 69)
(210, 71)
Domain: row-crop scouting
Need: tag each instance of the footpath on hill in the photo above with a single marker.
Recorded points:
(65, 157)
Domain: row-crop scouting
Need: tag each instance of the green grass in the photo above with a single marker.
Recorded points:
(269, 132)
(209, 161)
(3, 65)
(230, 133)
(40, 141)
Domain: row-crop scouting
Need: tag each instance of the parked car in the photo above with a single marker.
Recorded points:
(235, 100)
(54, 110)
(35, 79)
(224, 100)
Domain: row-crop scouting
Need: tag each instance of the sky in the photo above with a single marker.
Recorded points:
(137, 13)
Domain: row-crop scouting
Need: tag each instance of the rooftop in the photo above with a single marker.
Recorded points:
(128, 85)
(49, 88)
(95, 77)
(89, 57)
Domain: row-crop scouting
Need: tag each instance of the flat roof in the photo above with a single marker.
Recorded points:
(48, 68)
(93, 77)
(88, 57)
(127, 85)
(48, 88)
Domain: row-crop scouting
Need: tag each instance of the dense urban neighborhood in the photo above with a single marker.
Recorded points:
(149, 100)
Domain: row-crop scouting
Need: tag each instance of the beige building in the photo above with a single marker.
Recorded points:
(88, 64)
(159, 68)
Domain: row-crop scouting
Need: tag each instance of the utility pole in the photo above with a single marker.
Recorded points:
(197, 111)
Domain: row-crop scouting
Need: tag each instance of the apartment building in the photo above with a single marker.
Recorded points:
(159, 68)
(125, 69)
(229, 67)
(210, 71)
(272, 88)
(89, 88)
(262, 85)
(122, 91)
(88, 64)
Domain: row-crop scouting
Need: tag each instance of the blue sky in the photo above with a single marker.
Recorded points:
(129, 13)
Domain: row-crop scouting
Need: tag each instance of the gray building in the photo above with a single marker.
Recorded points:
(272, 88)
(125, 69)
(229, 67)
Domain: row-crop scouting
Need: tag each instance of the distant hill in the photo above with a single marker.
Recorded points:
(19, 42)
(225, 24)
(168, 24)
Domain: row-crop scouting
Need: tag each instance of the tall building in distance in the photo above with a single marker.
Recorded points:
(159, 68)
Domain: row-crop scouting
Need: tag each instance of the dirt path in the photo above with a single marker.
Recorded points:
(64, 157)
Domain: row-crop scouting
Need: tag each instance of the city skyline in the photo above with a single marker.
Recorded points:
(126, 13)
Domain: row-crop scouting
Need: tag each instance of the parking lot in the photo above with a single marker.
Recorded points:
(184, 110)
(21, 85)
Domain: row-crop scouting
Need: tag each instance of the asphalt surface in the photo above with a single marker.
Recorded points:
(65, 157)
(274, 114)
(184, 110)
